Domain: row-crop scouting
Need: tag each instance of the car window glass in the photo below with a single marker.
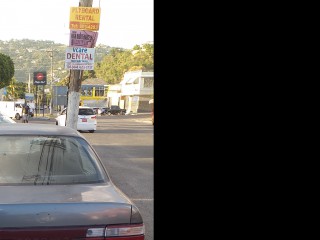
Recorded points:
(86, 111)
(47, 161)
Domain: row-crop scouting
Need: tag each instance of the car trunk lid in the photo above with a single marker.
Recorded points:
(61, 205)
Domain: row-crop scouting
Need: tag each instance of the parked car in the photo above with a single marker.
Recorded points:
(5, 119)
(114, 110)
(97, 110)
(104, 110)
(54, 186)
(87, 119)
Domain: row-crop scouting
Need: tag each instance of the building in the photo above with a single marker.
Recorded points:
(133, 93)
(94, 93)
(137, 91)
(114, 96)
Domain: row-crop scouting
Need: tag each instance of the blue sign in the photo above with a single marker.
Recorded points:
(29, 96)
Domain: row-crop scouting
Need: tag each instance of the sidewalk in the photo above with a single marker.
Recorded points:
(46, 116)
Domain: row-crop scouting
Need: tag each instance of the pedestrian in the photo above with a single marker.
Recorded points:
(26, 112)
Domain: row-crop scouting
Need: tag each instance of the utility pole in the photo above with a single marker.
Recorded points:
(51, 56)
(29, 82)
(75, 86)
(51, 81)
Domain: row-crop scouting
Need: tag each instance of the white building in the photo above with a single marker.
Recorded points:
(114, 96)
(136, 91)
(132, 93)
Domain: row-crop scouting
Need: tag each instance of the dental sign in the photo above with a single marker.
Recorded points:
(84, 18)
(79, 58)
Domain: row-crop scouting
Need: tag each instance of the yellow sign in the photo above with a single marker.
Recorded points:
(84, 18)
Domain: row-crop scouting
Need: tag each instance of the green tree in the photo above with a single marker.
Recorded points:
(113, 65)
(118, 61)
(143, 59)
(88, 74)
(136, 47)
(64, 81)
(6, 70)
(21, 89)
(16, 89)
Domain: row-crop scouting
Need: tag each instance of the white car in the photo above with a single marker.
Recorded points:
(87, 119)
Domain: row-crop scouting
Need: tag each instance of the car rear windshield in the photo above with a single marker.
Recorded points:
(44, 160)
(86, 111)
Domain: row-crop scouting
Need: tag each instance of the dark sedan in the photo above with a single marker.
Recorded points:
(54, 186)
(114, 110)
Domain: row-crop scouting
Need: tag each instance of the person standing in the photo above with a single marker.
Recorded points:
(26, 112)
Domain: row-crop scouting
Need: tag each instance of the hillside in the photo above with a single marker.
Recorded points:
(31, 56)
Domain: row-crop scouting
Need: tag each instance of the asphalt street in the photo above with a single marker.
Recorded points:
(125, 144)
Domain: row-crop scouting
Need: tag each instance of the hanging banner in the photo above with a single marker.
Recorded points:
(80, 38)
(79, 58)
(84, 18)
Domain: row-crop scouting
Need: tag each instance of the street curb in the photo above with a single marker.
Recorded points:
(40, 118)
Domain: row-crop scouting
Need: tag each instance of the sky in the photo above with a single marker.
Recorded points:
(123, 23)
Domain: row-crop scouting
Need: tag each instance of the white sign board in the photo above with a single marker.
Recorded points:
(79, 58)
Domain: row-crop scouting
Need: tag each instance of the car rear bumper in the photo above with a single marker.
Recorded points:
(86, 126)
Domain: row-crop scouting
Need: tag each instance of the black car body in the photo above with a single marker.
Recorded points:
(54, 186)
(114, 110)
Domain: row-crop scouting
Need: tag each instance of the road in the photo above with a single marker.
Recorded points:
(125, 145)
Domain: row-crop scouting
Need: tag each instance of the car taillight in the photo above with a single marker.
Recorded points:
(122, 231)
(119, 232)
(96, 232)
(93, 117)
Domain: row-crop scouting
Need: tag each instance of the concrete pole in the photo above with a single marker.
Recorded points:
(74, 90)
